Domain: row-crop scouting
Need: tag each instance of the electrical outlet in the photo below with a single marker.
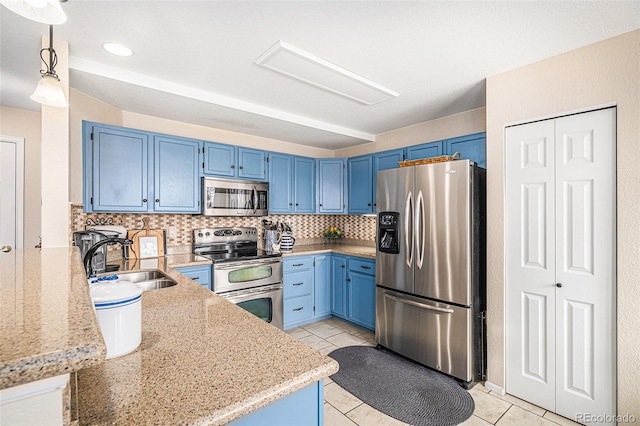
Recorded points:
(346, 227)
(173, 232)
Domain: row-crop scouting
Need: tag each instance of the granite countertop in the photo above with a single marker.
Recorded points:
(348, 249)
(202, 360)
(47, 323)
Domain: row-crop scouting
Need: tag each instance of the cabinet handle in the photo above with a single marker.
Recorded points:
(233, 167)
(291, 204)
(240, 167)
(296, 204)
(144, 200)
(348, 280)
(157, 200)
(298, 309)
(298, 283)
(298, 264)
(320, 204)
(195, 278)
(365, 267)
(342, 266)
(558, 284)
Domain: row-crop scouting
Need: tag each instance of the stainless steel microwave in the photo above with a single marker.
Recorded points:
(232, 197)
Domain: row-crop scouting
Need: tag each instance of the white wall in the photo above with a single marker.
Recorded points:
(26, 124)
(605, 72)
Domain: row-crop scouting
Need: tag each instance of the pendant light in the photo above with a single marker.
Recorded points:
(43, 11)
(49, 90)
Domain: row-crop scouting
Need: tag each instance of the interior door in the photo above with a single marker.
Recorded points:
(9, 220)
(560, 263)
(586, 258)
(530, 263)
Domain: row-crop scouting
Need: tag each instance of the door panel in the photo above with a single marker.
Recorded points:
(395, 270)
(443, 218)
(585, 241)
(530, 263)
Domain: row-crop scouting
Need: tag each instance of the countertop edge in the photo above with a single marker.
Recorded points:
(262, 399)
(345, 249)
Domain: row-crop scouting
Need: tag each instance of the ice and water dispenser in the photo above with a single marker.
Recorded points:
(388, 232)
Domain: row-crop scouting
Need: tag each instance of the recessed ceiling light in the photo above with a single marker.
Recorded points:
(117, 49)
(304, 66)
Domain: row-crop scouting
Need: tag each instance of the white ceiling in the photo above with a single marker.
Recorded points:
(194, 61)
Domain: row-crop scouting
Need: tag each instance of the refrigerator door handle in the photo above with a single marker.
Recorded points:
(420, 230)
(418, 304)
(408, 234)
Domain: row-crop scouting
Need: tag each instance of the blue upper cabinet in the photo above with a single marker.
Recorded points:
(331, 185)
(472, 147)
(425, 150)
(383, 161)
(252, 164)
(280, 183)
(304, 195)
(126, 170)
(220, 159)
(116, 169)
(360, 171)
(234, 162)
(177, 183)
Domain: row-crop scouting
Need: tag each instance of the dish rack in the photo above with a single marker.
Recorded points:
(439, 159)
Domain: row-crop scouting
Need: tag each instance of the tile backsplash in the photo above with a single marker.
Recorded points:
(304, 227)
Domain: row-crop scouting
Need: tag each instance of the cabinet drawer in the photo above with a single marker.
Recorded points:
(200, 274)
(298, 283)
(363, 266)
(297, 263)
(298, 309)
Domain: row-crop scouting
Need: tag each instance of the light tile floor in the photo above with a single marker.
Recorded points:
(342, 408)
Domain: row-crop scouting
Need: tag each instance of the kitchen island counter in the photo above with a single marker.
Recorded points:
(202, 360)
(47, 323)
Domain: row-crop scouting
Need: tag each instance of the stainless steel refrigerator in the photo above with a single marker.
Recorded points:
(430, 266)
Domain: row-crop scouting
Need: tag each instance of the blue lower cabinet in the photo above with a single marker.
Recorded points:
(302, 408)
(307, 289)
(199, 274)
(339, 286)
(322, 287)
(361, 290)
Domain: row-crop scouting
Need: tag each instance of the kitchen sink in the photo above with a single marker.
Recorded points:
(147, 280)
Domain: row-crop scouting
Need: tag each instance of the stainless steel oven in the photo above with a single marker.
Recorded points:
(243, 274)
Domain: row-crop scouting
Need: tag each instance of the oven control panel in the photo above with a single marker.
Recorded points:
(224, 235)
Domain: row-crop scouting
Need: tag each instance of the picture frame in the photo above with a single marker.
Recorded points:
(148, 247)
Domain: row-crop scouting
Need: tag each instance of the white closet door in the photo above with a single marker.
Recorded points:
(586, 259)
(560, 234)
(530, 263)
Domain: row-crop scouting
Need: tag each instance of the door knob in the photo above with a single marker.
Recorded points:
(6, 249)
(558, 284)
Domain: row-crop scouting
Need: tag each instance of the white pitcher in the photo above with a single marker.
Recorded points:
(286, 241)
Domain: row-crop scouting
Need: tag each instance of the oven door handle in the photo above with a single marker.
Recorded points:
(235, 265)
(253, 292)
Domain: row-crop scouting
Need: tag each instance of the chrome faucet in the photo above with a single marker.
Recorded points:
(92, 251)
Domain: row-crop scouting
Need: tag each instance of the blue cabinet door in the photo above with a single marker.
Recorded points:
(280, 183)
(304, 184)
(339, 286)
(252, 164)
(176, 178)
(322, 286)
(220, 159)
(425, 150)
(472, 147)
(384, 161)
(361, 296)
(331, 185)
(360, 171)
(117, 165)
